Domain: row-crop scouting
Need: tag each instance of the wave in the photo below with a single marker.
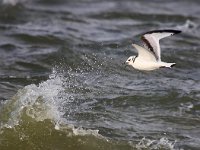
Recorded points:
(39, 109)
(39, 102)
(35, 117)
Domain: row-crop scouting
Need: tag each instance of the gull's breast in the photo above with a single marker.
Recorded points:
(145, 65)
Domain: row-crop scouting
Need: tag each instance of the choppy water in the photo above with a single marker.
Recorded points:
(63, 85)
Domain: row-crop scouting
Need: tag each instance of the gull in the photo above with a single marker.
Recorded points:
(149, 56)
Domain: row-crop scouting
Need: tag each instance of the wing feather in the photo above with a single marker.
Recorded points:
(144, 53)
(151, 40)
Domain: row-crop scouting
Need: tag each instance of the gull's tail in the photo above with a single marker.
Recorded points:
(167, 65)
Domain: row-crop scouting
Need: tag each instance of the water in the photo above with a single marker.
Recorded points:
(63, 85)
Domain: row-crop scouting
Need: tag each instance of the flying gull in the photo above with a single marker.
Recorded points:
(149, 56)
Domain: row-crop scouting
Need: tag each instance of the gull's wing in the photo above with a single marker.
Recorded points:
(151, 40)
(144, 53)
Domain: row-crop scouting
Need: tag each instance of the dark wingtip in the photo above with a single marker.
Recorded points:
(173, 65)
(164, 30)
(176, 31)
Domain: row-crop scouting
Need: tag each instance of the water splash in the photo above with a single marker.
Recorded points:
(39, 102)
(48, 100)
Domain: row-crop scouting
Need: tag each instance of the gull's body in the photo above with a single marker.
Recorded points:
(149, 56)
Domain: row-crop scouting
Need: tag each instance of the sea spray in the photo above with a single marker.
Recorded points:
(35, 120)
(49, 100)
(39, 102)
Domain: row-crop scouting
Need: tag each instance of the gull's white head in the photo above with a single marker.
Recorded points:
(130, 60)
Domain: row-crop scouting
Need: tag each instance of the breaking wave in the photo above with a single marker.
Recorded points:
(37, 111)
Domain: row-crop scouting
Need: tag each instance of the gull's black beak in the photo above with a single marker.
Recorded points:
(125, 64)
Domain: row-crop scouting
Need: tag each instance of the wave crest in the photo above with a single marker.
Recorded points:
(39, 102)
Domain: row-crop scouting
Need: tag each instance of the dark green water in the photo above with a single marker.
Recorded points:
(63, 85)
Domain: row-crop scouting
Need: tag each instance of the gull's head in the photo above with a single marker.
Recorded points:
(130, 60)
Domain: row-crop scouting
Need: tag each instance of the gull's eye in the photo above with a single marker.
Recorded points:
(129, 60)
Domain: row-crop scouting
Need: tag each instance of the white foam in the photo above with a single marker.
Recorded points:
(185, 107)
(83, 132)
(162, 143)
(79, 131)
(188, 26)
(13, 2)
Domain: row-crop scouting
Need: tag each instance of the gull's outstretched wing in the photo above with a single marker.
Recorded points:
(144, 53)
(151, 40)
